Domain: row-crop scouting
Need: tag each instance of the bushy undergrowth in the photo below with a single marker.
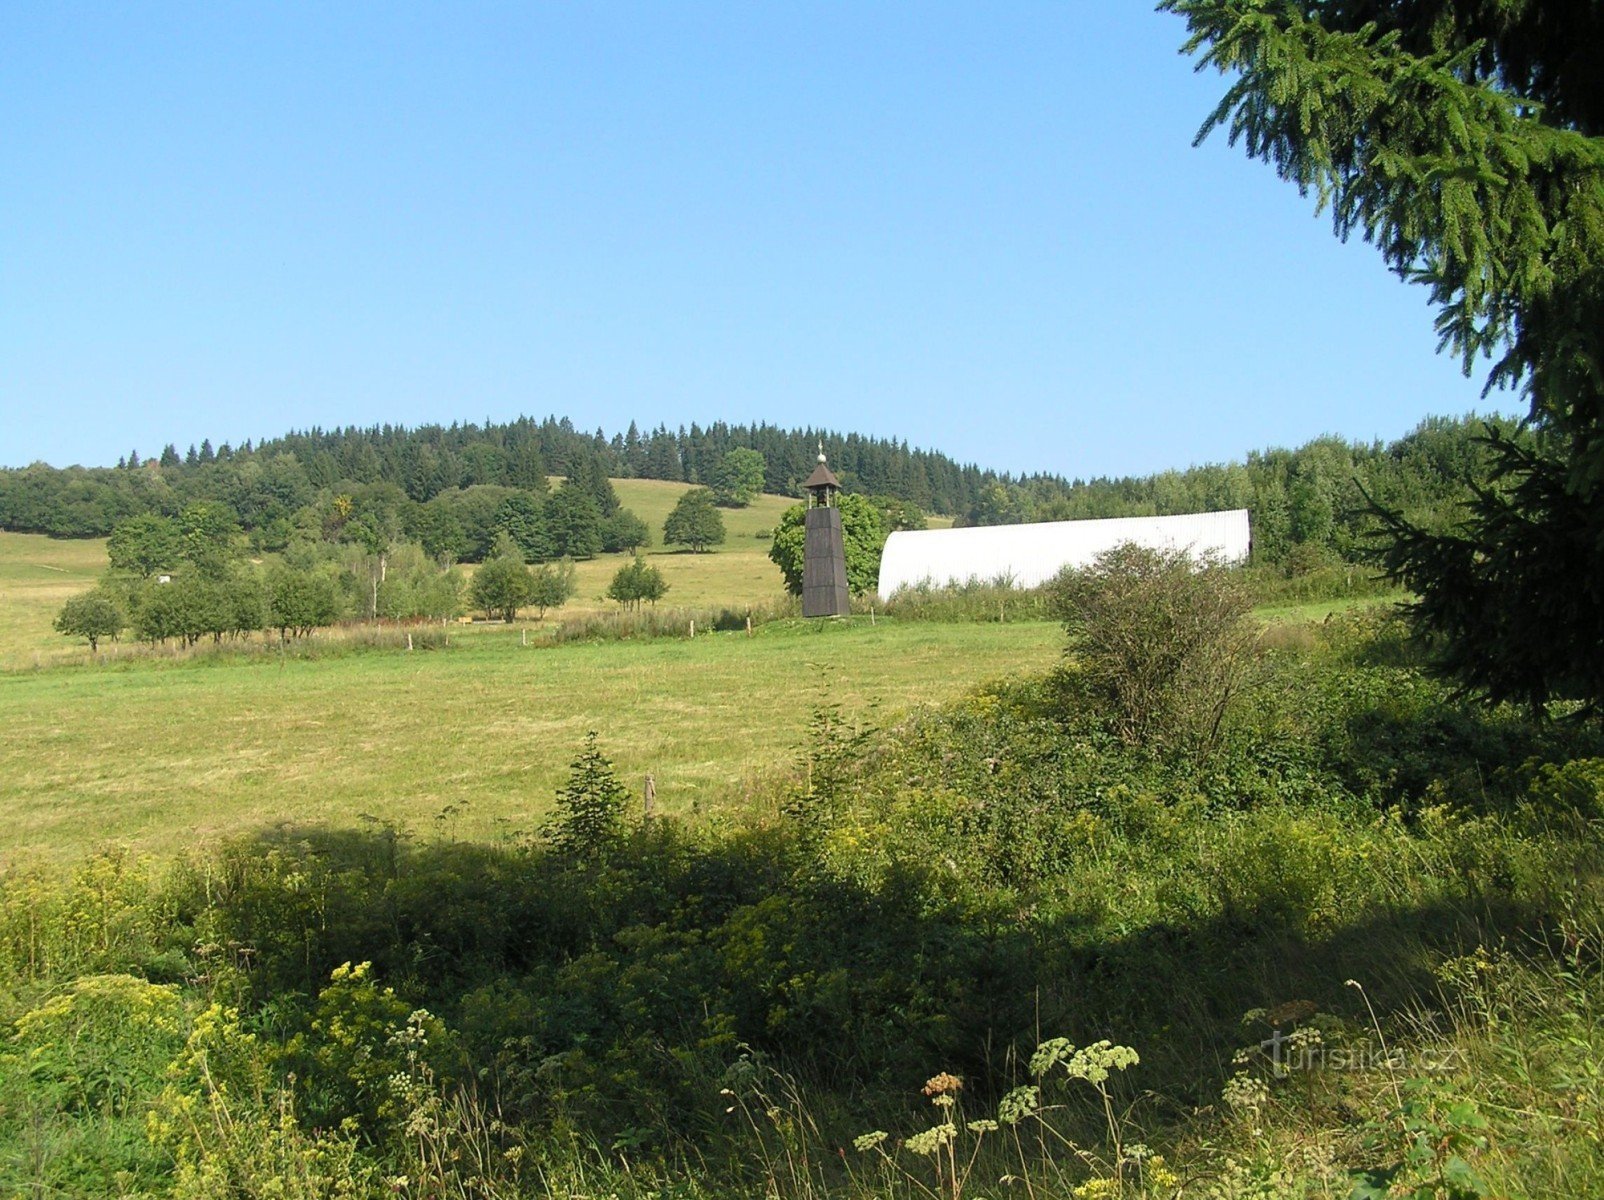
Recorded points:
(993, 941)
(339, 641)
(1302, 582)
(641, 623)
(999, 600)
(976, 600)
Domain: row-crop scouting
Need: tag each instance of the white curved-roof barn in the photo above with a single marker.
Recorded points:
(1029, 555)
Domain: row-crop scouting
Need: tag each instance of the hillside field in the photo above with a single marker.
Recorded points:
(735, 573)
(37, 573)
(988, 866)
(157, 752)
(162, 754)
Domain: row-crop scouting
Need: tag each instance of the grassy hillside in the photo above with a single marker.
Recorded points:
(37, 574)
(158, 754)
(738, 572)
(735, 574)
(746, 1001)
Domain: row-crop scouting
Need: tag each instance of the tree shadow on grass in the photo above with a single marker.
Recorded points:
(629, 982)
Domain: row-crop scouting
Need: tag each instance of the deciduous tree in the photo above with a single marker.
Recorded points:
(863, 530)
(900, 514)
(145, 545)
(299, 601)
(637, 581)
(624, 531)
(694, 522)
(502, 583)
(92, 615)
(206, 536)
(551, 585)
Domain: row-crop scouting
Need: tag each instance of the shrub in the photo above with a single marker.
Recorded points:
(102, 1044)
(590, 811)
(1162, 641)
(1307, 578)
(635, 581)
(1575, 787)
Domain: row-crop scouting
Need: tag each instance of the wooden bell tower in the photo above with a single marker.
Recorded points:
(824, 553)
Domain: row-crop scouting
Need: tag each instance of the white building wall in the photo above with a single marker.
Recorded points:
(1030, 555)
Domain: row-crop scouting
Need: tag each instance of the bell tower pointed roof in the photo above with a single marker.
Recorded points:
(822, 477)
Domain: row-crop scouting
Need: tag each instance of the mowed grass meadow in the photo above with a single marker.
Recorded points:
(162, 753)
(735, 573)
(161, 756)
(37, 575)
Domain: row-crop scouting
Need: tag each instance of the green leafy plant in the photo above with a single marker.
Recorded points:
(91, 616)
(953, 1144)
(637, 582)
(694, 522)
(551, 585)
(502, 584)
(1427, 1147)
(1463, 141)
(1162, 640)
(738, 478)
(863, 530)
(589, 816)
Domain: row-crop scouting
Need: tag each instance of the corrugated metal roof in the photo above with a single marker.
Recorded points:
(1030, 555)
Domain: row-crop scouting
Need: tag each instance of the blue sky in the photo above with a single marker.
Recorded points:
(982, 228)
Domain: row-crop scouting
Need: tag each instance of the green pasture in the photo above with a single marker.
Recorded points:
(37, 575)
(735, 574)
(164, 755)
(162, 752)
(1306, 611)
(653, 499)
